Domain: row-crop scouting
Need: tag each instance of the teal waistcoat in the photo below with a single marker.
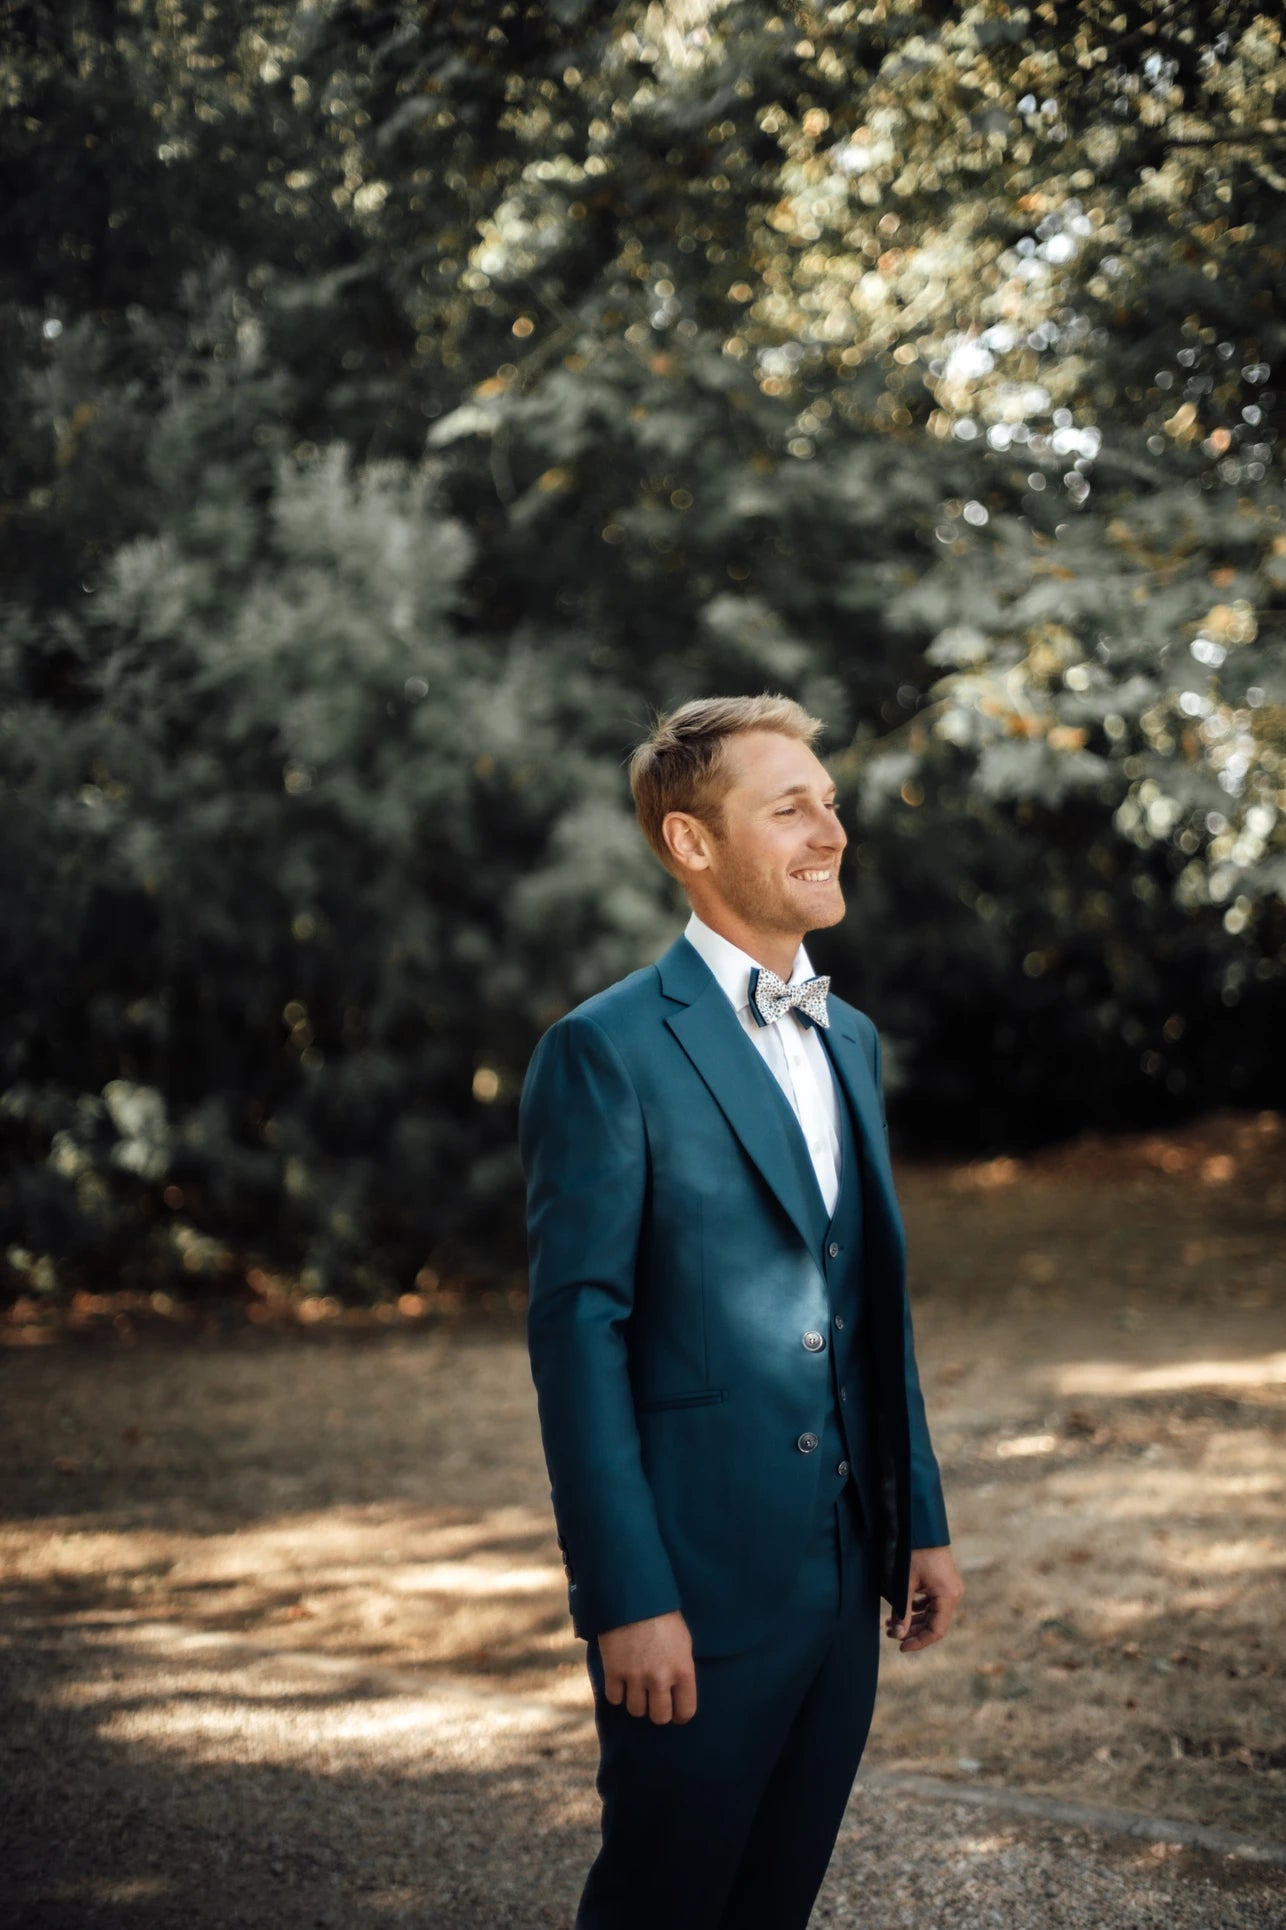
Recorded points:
(848, 1441)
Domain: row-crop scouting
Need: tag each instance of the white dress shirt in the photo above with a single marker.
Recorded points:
(792, 1050)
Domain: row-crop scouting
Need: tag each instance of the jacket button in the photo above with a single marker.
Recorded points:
(814, 1341)
(842, 1469)
(833, 1249)
(839, 1323)
(807, 1443)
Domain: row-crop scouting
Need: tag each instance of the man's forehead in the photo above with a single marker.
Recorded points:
(768, 764)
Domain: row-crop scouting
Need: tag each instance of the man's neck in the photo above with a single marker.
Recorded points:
(776, 950)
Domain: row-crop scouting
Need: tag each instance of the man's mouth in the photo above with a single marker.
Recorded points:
(814, 877)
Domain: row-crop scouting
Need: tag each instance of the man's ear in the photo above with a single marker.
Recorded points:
(687, 840)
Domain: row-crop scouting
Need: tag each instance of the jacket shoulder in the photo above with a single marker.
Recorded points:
(620, 1004)
(617, 1010)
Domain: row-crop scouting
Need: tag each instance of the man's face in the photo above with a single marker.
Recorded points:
(774, 857)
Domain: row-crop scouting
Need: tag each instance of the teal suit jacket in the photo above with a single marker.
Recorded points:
(675, 1232)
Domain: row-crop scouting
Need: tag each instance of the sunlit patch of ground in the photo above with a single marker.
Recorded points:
(1102, 1338)
(1102, 1349)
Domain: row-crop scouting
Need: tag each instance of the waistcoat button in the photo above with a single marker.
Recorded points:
(807, 1442)
(842, 1469)
(839, 1322)
(833, 1249)
(814, 1341)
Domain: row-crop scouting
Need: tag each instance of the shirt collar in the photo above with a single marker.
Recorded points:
(731, 966)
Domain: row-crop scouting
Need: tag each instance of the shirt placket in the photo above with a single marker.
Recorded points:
(810, 1110)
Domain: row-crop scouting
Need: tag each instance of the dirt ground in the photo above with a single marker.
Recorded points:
(1104, 1356)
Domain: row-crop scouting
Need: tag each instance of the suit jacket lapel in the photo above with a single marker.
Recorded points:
(743, 1087)
(849, 1060)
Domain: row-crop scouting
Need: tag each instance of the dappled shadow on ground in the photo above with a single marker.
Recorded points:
(390, 1586)
(1123, 1560)
(221, 1793)
(224, 1787)
(195, 1535)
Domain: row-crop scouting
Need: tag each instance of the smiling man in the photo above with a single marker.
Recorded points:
(722, 1351)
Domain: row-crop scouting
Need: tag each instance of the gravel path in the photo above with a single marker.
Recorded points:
(283, 1635)
(156, 1777)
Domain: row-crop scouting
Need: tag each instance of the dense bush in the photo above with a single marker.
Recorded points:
(404, 402)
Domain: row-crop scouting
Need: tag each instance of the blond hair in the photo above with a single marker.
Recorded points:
(681, 765)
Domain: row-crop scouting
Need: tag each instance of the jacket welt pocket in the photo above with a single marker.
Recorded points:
(705, 1397)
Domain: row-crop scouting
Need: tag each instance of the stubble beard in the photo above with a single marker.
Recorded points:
(765, 905)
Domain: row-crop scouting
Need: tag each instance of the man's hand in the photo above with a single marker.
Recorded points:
(934, 1593)
(648, 1666)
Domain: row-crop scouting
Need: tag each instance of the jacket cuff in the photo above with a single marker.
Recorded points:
(929, 1522)
(592, 1616)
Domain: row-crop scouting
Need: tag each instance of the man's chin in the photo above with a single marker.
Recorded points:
(823, 908)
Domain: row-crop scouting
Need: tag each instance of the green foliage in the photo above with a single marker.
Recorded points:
(404, 401)
(292, 873)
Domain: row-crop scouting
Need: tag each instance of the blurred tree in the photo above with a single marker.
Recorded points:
(287, 887)
(785, 301)
(918, 360)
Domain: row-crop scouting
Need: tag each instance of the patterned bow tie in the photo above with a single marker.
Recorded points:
(771, 998)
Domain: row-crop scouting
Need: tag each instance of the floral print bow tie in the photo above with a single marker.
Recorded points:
(771, 998)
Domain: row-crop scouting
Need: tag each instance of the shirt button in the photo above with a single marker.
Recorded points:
(839, 1323)
(842, 1469)
(814, 1341)
(807, 1443)
(833, 1249)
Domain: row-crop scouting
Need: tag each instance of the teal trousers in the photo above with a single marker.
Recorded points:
(728, 1822)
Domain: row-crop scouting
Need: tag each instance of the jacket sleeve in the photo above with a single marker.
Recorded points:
(928, 1509)
(584, 1152)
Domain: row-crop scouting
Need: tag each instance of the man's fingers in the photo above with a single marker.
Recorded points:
(685, 1698)
(930, 1626)
(934, 1593)
(659, 1704)
(925, 1620)
(643, 1661)
(646, 1664)
(922, 1640)
(915, 1605)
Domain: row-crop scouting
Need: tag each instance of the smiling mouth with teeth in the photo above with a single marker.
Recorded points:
(814, 877)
